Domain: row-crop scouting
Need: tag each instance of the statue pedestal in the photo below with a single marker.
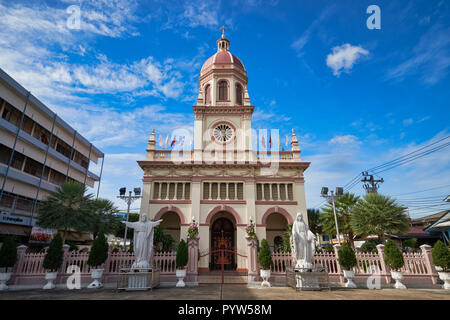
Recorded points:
(138, 279)
(307, 278)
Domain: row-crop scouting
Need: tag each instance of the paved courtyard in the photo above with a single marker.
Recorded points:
(228, 292)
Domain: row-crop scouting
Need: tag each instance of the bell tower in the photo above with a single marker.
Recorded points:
(223, 111)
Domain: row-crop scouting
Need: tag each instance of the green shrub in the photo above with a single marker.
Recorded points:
(393, 256)
(346, 256)
(370, 246)
(329, 248)
(182, 255)
(8, 253)
(409, 243)
(265, 256)
(54, 256)
(441, 256)
(99, 251)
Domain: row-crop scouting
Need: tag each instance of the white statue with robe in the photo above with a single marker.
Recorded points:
(304, 243)
(143, 240)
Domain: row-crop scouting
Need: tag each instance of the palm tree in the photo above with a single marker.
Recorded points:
(314, 222)
(104, 217)
(68, 208)
(344, 209)
(379, 215)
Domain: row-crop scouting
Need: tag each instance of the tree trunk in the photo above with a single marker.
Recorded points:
(64, 236)
(351, 241)
(381, 237)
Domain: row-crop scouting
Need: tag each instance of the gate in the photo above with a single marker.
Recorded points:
(224, 277)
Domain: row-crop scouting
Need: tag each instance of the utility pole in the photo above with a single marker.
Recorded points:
(332, 196)
(129, 200)
(370, 184)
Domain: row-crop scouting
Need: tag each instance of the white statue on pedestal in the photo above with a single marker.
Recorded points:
(304, 243)
(143, 240)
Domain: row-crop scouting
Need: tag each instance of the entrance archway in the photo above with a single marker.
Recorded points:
(223, 236)
(172, 223)
(276, 224)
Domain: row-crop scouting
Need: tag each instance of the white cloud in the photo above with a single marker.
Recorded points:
(344, 57)
(408, 122)
(347, 139)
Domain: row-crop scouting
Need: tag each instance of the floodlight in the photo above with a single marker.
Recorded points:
(324, 191)
(339, 191)
(122, 191)
(137, 191)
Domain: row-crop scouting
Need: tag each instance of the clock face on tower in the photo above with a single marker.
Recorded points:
(223, 133)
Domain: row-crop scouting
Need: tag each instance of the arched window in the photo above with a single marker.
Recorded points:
(238, 94)
(207, 94)
(223, 90)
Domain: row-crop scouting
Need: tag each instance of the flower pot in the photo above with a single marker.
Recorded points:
(398, 276)
(180, 274)
(349, 275)
(96, 274)
(4, 278)
(265, 275)
(50, 277)
(445, 276)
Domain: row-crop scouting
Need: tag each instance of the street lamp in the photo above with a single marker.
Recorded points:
(333, 197)
(129, 200)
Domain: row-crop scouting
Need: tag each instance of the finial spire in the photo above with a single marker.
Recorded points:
(223, 31)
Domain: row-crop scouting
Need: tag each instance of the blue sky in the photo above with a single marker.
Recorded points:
(355, 97)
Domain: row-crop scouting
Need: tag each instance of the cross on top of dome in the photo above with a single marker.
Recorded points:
(223, 43)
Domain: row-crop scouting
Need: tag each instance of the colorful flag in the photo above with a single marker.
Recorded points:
(173, 141)
(182, 142)
(287, 141)
(167, 141)
(279, 143)
(191, 140)
(270, 141)
(263, 142)
(160, 142)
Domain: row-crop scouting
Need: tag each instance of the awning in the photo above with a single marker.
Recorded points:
(15, 230)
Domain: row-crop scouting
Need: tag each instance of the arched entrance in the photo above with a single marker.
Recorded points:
(172, 223)
(223, 236)
(276, 225)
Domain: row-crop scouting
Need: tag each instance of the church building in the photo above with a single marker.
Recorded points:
(224, 182)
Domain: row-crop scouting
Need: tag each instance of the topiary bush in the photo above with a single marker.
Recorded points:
(54, 256)
(370, 246)
(265, 256)
(441, 256)
(99, 251)
(182, 255)
(8, 253)
(346, 256)
(393, 256)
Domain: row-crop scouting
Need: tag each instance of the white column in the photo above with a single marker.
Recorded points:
(278, 189)
(227, 186)
(210, 190)
(235, 191)
(167, 190)
(183, 196)
(175, 195)
(270, 190)
(287, 193)
(159, 190)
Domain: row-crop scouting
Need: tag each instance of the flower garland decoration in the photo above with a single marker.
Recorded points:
(193, 230)
(251, 230)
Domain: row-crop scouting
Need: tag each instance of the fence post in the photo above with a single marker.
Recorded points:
(338, 266)
(252, 259)
(384, 268)
(426, 254)
(62, 270)
(192, 269)
(17, 270)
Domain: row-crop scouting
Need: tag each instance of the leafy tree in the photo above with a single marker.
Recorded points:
(54, 256)
(441, 256)
(162, 240)
(379, 215)
(182, 257)
(329, 247)
(314, 222)
(346, 256)
(409, 243)
(265, 256)
(393, 256)
(8, 253)
(287, 238)
(68, 208)
(104, 217)
(344, 209)
(370, 245)
(99, 251)
(120, 232)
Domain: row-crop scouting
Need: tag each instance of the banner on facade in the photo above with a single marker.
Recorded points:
(41, 235)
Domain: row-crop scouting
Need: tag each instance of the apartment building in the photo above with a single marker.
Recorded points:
(38, 152)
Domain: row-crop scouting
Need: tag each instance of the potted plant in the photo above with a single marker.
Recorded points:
(52, 261)
(181, 263)
(441, 259)
(193, 230)
(347, 260)
(394, 259)
(97, 256)
(265, 261)
(8, 258)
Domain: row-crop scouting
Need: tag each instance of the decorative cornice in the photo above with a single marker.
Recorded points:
(223, 202)
(274, 203)
(170, 201)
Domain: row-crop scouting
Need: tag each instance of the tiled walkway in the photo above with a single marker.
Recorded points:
(230, 292)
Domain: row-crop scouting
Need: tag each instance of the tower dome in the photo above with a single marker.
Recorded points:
(223, 58)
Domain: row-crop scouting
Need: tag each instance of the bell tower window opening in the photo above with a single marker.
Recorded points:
(223, 90)
(238, 94)
(208, 94)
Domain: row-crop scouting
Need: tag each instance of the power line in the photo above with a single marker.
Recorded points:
(403, 194)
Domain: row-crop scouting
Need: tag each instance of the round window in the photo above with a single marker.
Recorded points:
(223, 132)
